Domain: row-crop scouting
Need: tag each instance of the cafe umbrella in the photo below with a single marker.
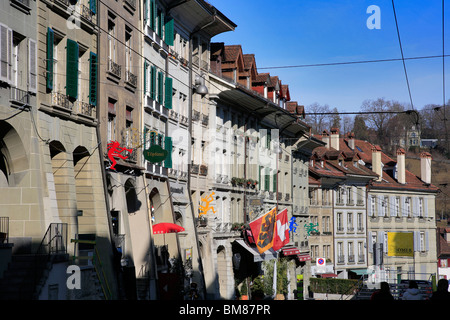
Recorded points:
(166, 227)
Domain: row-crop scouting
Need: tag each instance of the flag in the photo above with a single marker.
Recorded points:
(281, 237)
(263, 230)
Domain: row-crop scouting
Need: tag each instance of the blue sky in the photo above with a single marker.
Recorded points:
(303, 32)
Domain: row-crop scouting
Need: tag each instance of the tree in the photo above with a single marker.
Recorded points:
(360, 128)
(318, 118)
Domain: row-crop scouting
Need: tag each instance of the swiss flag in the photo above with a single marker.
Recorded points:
(281, 237)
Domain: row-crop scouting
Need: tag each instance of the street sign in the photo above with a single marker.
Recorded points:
(321, 265)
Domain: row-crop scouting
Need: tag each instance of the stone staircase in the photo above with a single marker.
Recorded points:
(25, 274)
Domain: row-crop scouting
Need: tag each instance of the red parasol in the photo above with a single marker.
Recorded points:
(166, 227)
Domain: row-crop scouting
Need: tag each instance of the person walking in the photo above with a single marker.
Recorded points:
(442, 291)
(413, 292)
(384, 293)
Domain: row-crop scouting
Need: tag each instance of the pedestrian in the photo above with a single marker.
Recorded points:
(384, 293)
(413, 292)
(442, 291)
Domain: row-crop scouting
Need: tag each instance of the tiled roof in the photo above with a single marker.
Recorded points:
(443, 245)
(364, 150)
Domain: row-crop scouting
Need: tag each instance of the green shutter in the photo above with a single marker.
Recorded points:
(93, 6)
(93, 61)
(274, 182)
(152, 14)
(153, 82)
(168, 93)
(168, 147)
(160, 87)
(169, 32)
(267, 180)
(145, 11)
(72, 69)
(160, 24)
(50, 42)
(259, 179)
(145, 77)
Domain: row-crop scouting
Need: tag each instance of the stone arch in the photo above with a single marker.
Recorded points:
(131, 195)
(13, 156)
(222, 271)
(85, 195)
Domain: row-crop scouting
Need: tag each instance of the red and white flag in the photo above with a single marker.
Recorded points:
(263, 230)
(281, 237)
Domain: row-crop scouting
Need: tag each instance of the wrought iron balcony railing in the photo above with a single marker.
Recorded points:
(114, 68)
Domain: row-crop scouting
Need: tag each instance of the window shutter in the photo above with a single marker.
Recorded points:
(50, 43)
(404, 206)
(160, 87)
(145, 78)
(145, 12)
(72, 69)
(168, 147)
(275, 183)
(152, 14)
(93, 6)
(153, 82)
(32, 66)
(168, 93)
(169, 32)
(369, 241)
(160, 24)
(5, 53)
(425, 207)
(267, 180)
(93, 61)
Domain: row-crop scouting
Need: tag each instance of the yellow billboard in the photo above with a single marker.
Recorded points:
(400, 244)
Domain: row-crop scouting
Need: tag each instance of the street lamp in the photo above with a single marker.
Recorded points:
(199, 85)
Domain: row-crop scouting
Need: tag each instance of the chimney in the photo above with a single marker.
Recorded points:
(326, 138)
(376, 162)
(334, 138)
(351, 140)
(401, 177)
(425, 167)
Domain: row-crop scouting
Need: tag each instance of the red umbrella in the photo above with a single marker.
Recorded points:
(166, 227)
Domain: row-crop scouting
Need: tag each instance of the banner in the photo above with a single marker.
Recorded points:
(400, 244)
(263, 230)
(281, 231)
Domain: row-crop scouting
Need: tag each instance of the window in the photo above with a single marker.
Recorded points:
(397, 207)
(422, 241)
(339, 222)
(349, 196)
(420, 207)
(111, 38)
(360, 251)
(360, 221)
(128, 45)
(408, 207)
(351, 254)
(372, 206)
(111, 128)
(384, 205)
(340, 249)
(350, 227)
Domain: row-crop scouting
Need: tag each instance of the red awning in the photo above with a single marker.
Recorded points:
(304, 257)
(328, 275)
(289, 251)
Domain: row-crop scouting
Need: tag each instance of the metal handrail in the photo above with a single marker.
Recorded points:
(98, 266)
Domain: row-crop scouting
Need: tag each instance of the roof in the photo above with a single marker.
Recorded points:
(364, 151)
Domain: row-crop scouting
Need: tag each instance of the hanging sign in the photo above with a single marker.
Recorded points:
(155, 154)
(115, 151)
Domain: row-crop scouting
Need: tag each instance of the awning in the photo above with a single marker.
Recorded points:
(328, 275)
(303, 257)
(257, 257)
(289, 251)
(362, 271)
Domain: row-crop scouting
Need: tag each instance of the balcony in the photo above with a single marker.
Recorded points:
(4, 230)
(204, 170)
(131, 79)
(195, 168)
(114, 69)
(195, 115)
(205, 119)
(86, 13)
(85, 108)
(62, 101)
(19, 97)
